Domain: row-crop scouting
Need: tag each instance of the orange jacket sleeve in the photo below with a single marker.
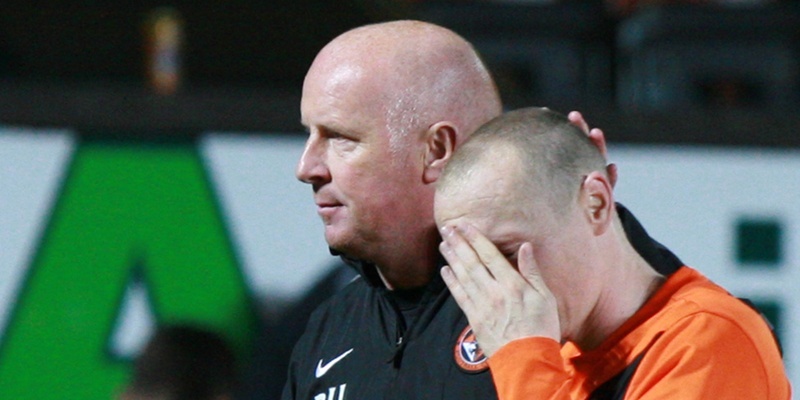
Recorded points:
(530, 368)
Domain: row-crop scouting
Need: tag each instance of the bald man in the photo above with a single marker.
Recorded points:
(538, 257)
(385, 107)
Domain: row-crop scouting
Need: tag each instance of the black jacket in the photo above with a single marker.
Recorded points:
(368, 343)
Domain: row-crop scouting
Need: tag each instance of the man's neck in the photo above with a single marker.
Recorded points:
(412, 265)
(408, 273)
(630, 283)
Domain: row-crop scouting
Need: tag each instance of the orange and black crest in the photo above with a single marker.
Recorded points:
(468, 353)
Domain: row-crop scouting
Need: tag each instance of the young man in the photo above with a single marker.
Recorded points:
(538, 258)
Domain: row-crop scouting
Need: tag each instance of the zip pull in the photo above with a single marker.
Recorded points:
(397, 355)
(397, 358)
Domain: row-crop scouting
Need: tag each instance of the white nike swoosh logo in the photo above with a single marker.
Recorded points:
(323, 369)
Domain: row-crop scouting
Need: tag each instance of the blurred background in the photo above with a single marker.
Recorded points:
(147, 152)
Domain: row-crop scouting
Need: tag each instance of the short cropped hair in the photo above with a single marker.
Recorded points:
(554, 155)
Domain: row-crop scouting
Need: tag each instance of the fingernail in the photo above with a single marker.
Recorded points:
(444, 247)
(446, 272)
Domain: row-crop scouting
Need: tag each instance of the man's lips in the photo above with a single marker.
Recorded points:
(326, 208)
(327, 203)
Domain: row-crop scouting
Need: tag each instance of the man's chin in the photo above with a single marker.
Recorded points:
(342, 245)
(337, 240)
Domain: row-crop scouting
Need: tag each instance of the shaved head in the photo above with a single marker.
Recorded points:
(416, 73)
(551, 155)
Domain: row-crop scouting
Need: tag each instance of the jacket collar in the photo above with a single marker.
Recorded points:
(369, 272)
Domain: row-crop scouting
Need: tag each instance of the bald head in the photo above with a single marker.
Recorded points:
(385, 106)
(415, 74)
(550, 155)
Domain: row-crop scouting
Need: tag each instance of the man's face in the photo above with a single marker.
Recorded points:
(367, 192)
(492, 201)
(485, 201)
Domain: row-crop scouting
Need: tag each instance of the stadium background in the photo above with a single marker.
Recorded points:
(121, 208)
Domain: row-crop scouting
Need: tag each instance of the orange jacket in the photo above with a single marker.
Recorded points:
(690, 340)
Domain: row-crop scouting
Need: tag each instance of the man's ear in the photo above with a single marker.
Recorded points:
(440, 145)
(597, 199)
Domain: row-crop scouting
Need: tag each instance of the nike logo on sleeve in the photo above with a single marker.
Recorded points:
(323, 369)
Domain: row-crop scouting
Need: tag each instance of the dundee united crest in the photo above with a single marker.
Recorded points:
(468, 354)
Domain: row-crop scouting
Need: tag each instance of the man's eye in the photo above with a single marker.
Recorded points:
(338, 136)
(511, 253)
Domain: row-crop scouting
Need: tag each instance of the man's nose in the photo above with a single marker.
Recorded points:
(312, 167)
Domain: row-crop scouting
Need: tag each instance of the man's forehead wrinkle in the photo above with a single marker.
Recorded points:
(461, 205)
(484, 200)
(486, 219)
(449, 218)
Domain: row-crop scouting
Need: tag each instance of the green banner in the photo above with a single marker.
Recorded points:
(123, 207)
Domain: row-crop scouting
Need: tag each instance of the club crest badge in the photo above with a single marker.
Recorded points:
(468, 354)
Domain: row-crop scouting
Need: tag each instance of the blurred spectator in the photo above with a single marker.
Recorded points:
(183, 362)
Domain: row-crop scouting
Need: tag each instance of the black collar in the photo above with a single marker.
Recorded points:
(658, 256)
